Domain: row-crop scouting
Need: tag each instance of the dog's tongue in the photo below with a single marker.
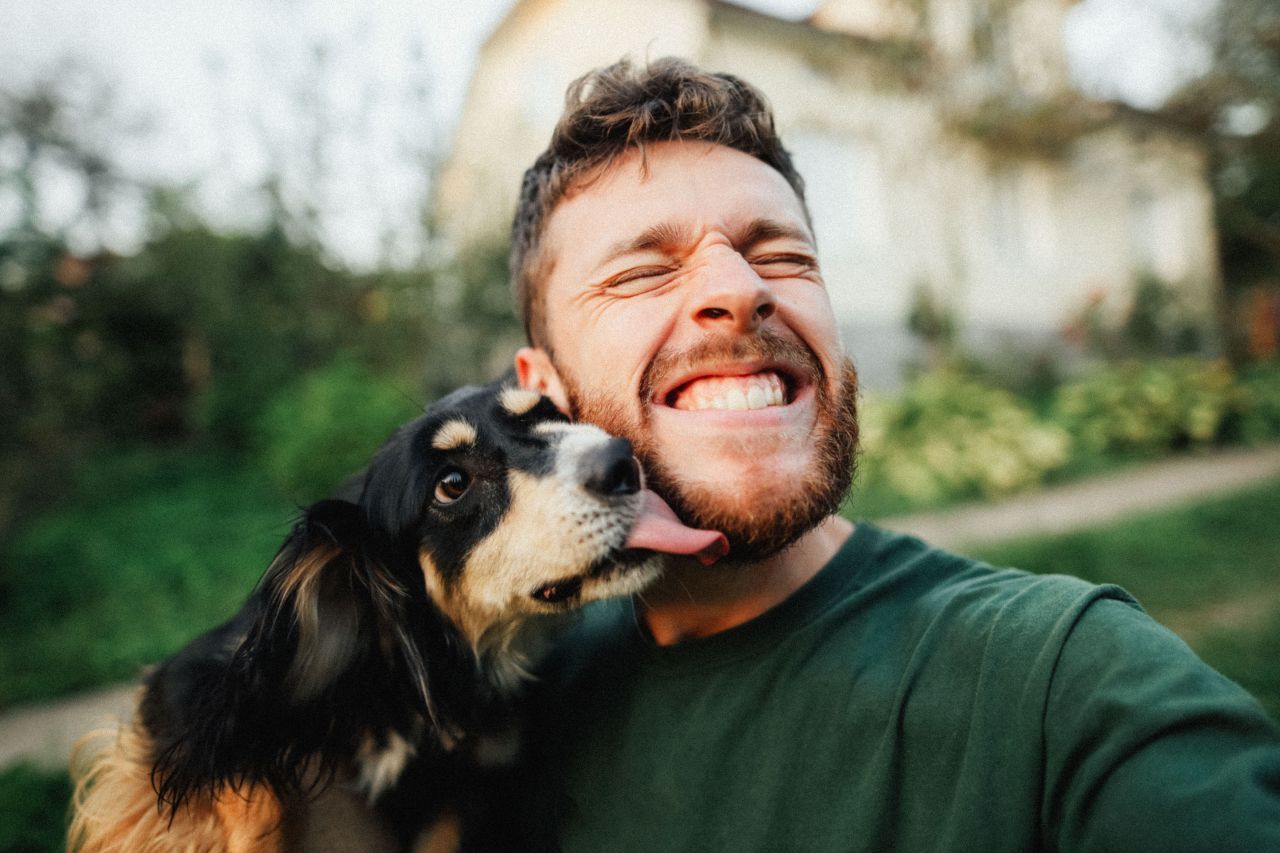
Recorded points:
(658, 529)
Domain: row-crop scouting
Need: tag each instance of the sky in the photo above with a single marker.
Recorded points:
(216, 95)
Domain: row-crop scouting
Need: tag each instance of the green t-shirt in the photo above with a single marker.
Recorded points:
(903, 699)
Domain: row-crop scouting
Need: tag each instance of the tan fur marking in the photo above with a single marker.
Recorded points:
(433, 579)
(454, 434)
(115, 809)
(321, 648)
(298, 580)
(443, 836)
(517, 401)
(529, 547)
(250, 823)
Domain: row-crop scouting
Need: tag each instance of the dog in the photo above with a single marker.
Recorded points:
(365, 696)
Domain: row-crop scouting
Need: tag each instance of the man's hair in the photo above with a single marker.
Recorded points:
(611, 110)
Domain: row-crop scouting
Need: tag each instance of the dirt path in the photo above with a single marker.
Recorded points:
(43, 734)
(1099, 500)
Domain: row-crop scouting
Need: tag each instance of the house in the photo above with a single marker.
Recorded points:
(949, 162)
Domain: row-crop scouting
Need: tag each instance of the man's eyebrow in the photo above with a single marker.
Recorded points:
(664, 235)
(760, 230)
(669, 235)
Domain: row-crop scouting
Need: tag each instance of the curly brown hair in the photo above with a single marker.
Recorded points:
(613, 109)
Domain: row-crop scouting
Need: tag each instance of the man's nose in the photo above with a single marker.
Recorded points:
(733, 297)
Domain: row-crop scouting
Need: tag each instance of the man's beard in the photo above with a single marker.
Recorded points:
(753, 534)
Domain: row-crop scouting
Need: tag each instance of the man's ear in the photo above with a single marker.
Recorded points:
(535, 372)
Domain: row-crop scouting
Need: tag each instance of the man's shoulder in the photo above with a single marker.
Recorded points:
(901, 572)
(886, 595)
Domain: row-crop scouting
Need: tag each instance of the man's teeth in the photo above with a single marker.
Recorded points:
(733, 393)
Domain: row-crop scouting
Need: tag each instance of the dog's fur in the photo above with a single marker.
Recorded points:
(370, 678)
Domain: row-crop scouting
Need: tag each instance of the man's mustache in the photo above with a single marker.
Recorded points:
(765, 345)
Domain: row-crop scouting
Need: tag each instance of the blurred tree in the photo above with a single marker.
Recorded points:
(1236, 105)
(191, 336)
(473, 332)
(57, 184)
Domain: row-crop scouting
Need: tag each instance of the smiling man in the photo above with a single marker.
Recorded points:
(821, 687)
(694, 320)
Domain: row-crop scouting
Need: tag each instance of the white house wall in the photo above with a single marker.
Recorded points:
(518, 89)
(1013, 243)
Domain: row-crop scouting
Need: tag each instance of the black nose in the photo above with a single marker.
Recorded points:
(612, 470)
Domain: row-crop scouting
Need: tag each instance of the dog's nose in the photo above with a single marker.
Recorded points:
(612, 470)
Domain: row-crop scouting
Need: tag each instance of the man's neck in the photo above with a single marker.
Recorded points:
(693, 601)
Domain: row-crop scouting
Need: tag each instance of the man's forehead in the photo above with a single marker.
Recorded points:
(669, 191)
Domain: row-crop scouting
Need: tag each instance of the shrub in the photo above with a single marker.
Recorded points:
(1149, 408)
(325, 427)
(949, 436)
(1260, 401)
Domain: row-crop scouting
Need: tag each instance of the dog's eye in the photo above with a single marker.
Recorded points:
(452, 485)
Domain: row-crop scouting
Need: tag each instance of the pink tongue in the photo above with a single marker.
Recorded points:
(658, 529)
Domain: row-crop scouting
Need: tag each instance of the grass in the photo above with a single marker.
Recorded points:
(33, 810)
(152, 549)
(1211, 571)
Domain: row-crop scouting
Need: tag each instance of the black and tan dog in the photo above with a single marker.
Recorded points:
(367, 686)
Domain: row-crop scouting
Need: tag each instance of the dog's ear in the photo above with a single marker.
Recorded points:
(315, 657)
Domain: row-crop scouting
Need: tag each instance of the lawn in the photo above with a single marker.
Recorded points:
(33, 807)
(1210, 571)
(152, 549)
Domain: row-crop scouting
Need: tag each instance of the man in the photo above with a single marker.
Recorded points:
(822, 687)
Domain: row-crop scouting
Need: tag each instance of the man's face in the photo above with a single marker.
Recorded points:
(685, 311)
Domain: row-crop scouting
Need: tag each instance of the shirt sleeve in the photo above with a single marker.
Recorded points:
(1149, 748)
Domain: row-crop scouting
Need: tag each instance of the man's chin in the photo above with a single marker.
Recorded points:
(762, 516)
(758, 522)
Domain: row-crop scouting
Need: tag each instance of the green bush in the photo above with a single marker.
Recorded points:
(324, 428)
(1149, 408)
(149, 549)
(1260, 399)
(948, 436)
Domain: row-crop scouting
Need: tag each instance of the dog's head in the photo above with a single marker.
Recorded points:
(508, 509)
(395, 609)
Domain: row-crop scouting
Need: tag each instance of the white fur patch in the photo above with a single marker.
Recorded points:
(381, 765)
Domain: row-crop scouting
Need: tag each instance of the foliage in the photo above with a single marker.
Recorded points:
(55, 134)
(949, 436)
(1149, 408)
(189, 339)
(1182, 562)
(33, 810)
(1260, 403)
(933, 323)
(325, 427)
(82, 346)
(258, 310)
(1236, 108)
(151, 548)
(1156, 324)
(474, 331)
